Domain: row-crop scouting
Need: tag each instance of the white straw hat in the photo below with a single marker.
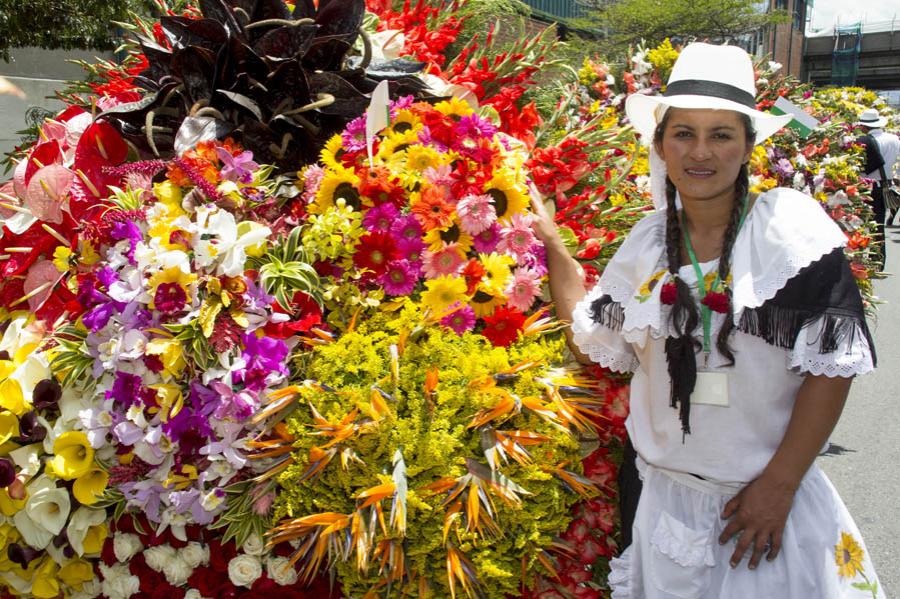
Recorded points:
(705, 76)
(871, 118)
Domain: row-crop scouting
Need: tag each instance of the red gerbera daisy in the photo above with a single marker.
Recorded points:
(375, 251)
(503, 326)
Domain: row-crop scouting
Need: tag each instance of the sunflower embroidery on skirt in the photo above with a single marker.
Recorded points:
(849, 556)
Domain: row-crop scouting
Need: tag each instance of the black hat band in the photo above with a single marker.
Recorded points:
(715, 89)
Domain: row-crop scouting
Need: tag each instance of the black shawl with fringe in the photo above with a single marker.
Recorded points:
(824, 289)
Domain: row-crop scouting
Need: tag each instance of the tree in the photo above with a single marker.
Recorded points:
(62, 24)
(627, 22)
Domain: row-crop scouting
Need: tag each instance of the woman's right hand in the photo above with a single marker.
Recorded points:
(543, 224)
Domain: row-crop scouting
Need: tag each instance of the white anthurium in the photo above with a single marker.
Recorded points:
(19, 222)
(79, 524)
(442, 87)
(45, 513)
(387, 44)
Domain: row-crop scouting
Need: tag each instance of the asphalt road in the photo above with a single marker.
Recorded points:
(863, 461)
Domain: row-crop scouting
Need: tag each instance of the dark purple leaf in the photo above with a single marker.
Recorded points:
(327, 54)
(349, 101)
(195, 66)
(243, 101)
(183, 32)
(221, 12)
(341, 17)
(286, 42)
(270, 9)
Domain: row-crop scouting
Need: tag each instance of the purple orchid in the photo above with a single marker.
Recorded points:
(237, 168)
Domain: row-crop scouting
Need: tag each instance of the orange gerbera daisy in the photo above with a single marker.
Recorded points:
(433, 210)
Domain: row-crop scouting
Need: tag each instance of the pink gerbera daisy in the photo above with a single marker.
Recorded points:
(486, 241)
(476, 213)
(400, 278)
(448, 260)
(522, 289)
(411, 249)
(462, 319)
(517, 238)
(354, 136)
(407, 227)
(381, 218)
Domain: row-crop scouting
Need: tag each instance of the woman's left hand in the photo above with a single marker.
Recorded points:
(757, 514)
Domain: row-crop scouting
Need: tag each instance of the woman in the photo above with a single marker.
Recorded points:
(738, 382)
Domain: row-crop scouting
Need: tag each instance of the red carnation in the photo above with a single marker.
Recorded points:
(668, 294)
(716, 301)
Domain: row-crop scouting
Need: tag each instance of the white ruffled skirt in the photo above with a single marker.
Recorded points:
(675, 553)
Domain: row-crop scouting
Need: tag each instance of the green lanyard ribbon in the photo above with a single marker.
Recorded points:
(705, 312)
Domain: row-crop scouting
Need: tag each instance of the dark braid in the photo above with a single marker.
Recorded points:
(681, 346)
(741, 186)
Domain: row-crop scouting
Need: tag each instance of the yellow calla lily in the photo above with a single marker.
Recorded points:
(89, 487)
(94, 539)
(11, 397)
(45, 584)
(76, 572)
(8, 505)
(74, 455)
(9, 426)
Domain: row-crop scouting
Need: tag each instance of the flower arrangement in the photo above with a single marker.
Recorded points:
(441, 212)
(432, 462)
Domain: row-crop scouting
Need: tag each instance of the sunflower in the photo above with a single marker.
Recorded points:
(330, 156)
(507, 195)
(444, 291)
(848, 556)
(406, 120)
(436, 238)
(338, 183)
(485, 300)
(454, 107)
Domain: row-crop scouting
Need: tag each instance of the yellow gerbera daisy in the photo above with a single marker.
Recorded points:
(454, 107)
(497, 271)
(848, 556)
(444, 291)
(508, 196)
(330, 156)
(338, 182)
(436, 238)
(485, 300)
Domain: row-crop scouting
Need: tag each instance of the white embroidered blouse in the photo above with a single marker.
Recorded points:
(784, 232)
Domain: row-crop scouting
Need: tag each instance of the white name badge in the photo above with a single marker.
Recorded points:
(711, 389)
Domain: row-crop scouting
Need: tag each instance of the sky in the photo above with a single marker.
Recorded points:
(825, 13)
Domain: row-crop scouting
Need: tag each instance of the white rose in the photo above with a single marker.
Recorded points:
(118, 582)
(193, 594)
(253, 545)
(243, 570)
(281, 571)
(177, 572)
(194, 555)
(126, 546)
(157, 557)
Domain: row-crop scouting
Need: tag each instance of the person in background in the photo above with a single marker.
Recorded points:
(882, 152)
(743, 325)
